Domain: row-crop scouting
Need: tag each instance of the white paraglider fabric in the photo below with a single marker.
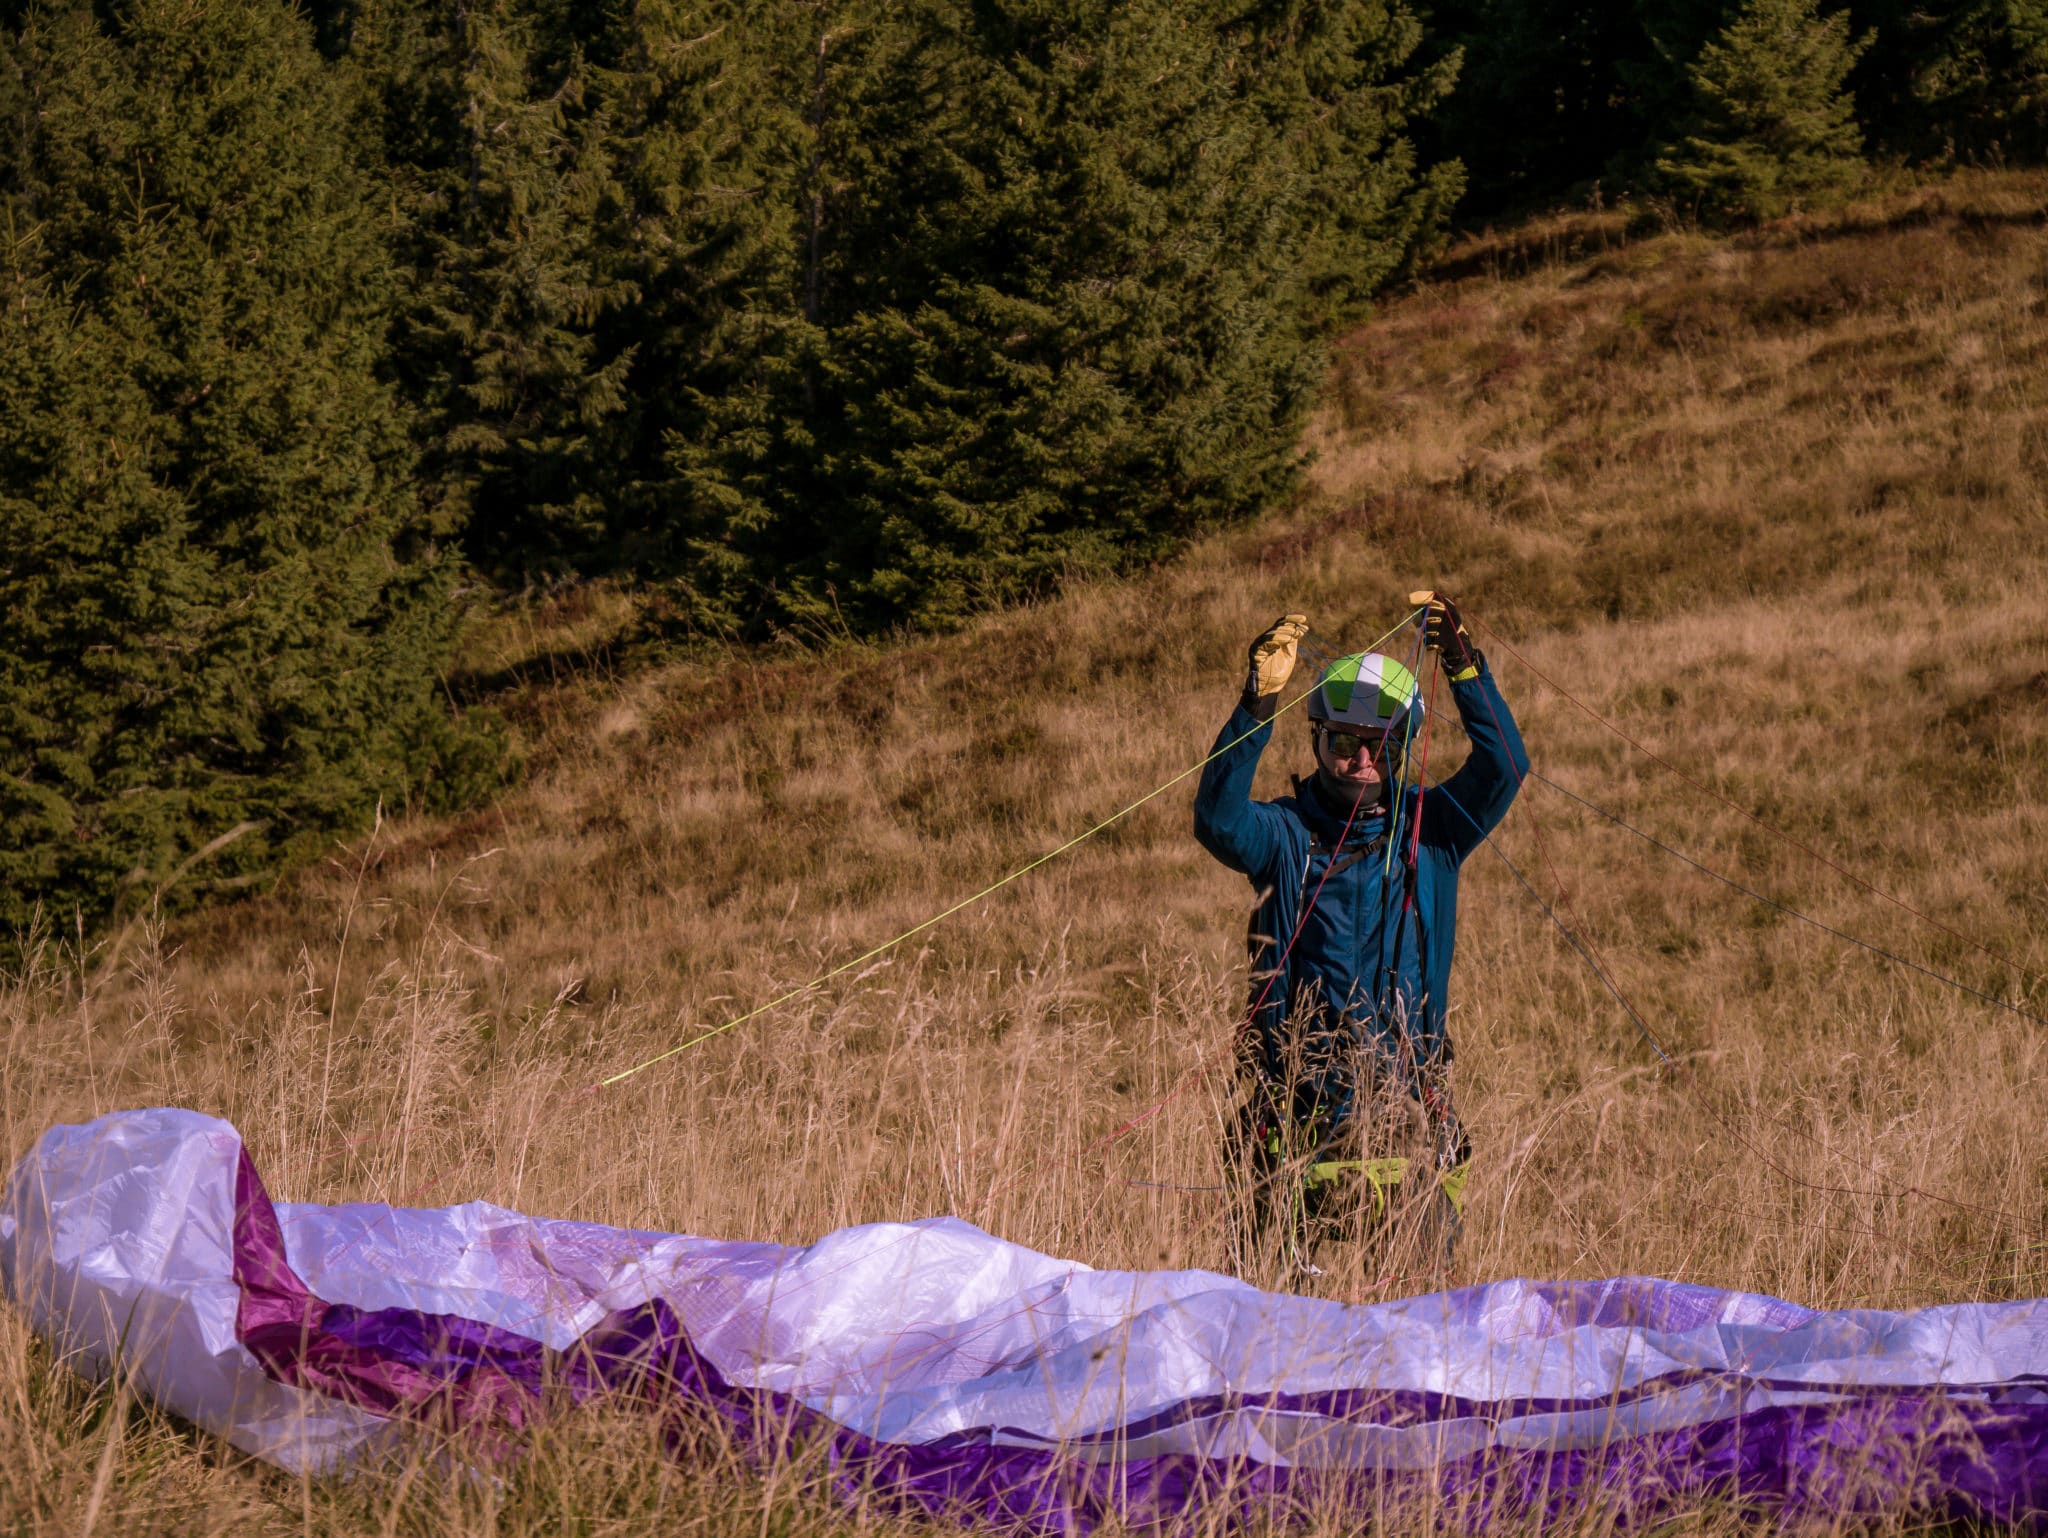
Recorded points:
(126, 1239)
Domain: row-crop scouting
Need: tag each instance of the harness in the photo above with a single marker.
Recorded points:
(1340, 854)
(1279, 1126)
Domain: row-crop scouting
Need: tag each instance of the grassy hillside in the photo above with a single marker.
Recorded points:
(1774, 506)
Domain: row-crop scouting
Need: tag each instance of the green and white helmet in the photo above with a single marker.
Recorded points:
(1369, 690)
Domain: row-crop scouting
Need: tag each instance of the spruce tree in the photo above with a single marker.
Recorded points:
(1554, 96)
(1773, 125)
(763, 527)
(498, 161)
(1549, 67)
(220, 625)
(1059, 272)
(575, 183)
(701, 222)
(1341, 88)
(1977, 78)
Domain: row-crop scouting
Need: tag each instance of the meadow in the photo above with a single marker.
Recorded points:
(1772, 506)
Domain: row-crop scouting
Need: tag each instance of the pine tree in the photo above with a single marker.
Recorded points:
(1978, 77)
(1554, 96)
(220, 625)
(1095, 351)
(1773, 124)
(701, 223)
(1546, 65)
(762, 522)
(499, 162)
(1059, 273)
(575, 184)
(1338, 85)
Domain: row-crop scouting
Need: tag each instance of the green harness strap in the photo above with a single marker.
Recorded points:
(1383, 1175)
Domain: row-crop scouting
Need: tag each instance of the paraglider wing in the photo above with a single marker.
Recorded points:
(949, 1371)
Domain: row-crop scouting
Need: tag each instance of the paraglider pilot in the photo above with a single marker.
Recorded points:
(1348, 1129)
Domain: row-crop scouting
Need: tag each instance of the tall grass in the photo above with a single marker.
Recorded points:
(1772, 505)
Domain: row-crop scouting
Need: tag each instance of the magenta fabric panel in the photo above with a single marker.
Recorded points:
(1954, 1452)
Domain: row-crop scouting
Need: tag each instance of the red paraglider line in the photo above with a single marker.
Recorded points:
(1205, 1061)
(1581, 938)
(1202, 1065)
(1421, 784)
(1578, 934)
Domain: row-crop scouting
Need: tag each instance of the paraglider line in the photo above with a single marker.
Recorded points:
(1422, 780)
(1892, 1188)
(1416, 659)
(1771, 902)
(967, 902)
(1570, 935)
(1775, 832)
(1200, 1071)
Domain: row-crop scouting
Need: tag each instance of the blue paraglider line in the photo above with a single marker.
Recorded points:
(1310, 899)
(1790, 912)
(1584, 948)
(1778, 833)
(1600, 971)
(1562, 928)
(1894, 1189)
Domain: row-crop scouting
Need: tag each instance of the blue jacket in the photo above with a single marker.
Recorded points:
(1368, 966)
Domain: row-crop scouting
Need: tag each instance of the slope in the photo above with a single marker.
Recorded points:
(1774, 505)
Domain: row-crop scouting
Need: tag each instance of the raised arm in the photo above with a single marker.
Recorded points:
(1462, 811)
(1459, 813)
(1245, 834)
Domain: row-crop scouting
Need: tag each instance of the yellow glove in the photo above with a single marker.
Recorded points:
(1443, 628)
(1274, 655)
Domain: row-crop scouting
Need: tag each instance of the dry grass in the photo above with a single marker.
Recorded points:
(1775, 505)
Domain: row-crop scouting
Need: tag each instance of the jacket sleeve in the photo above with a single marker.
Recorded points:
(1461, 812)
(1244, 834)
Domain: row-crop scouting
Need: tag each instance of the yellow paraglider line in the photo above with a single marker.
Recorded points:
(986, 892)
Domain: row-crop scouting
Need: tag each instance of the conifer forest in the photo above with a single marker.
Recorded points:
(326, 325)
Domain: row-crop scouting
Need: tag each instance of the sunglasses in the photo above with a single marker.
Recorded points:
(1347, 744)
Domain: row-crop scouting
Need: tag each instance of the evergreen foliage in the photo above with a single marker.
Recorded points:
(1978, 77)
(1558, 71)
(804, 315)
(861, 312)
(1773, 122)
(574, 200)
(1558, 96)
(1058, 276)
(515, 277)
(500, 167)
(821, 313)
(217, 620)
(1335, 82)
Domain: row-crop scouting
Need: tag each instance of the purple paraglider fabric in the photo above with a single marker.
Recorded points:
(936, 1368)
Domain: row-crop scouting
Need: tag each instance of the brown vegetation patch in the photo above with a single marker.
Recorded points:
(1798, 555)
